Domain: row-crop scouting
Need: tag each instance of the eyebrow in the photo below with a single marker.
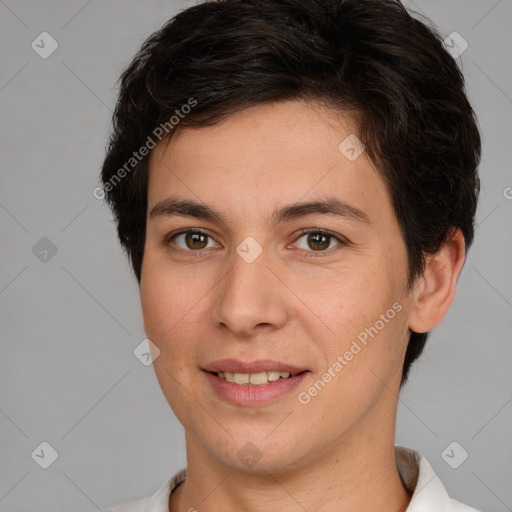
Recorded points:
(330, 206)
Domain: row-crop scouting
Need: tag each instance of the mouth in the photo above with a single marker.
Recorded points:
(257, 372)
(254, 383)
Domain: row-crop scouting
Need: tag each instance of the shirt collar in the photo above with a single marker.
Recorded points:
(419, 478)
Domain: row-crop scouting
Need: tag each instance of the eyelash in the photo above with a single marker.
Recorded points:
(312, 254)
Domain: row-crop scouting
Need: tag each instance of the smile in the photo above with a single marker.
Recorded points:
(253, 389)
(257, 379)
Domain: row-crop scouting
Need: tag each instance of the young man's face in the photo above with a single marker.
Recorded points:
(248, 289)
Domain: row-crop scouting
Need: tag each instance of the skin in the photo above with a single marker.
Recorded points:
(204, 302)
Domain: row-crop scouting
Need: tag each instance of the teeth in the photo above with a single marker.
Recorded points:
(241, 378)
(258, 378)
(253, 378)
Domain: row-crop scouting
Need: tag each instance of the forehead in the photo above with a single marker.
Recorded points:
(266, 156)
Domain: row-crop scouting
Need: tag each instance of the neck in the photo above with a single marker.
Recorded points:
(359, 474)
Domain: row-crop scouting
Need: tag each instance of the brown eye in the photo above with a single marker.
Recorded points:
(318, 241)
(189, 240)
(195, 240)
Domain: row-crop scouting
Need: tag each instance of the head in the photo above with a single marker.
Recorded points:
(248, 106)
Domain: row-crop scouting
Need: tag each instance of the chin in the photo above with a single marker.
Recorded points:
(256, 454)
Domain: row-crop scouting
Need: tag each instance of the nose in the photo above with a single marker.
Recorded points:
(250, 297)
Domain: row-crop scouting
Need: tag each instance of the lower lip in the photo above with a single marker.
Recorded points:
(251, 394)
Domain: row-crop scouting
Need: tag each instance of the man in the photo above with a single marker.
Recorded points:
(295, 184)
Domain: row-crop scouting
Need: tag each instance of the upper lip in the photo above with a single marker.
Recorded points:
(260, 365)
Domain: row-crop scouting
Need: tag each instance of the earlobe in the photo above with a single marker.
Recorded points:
(435, 289)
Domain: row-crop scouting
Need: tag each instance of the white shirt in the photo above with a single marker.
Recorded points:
(418, 476)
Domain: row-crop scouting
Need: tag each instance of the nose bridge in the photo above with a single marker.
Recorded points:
(250, 295)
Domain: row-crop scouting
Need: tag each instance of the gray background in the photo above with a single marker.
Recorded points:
(70, 324)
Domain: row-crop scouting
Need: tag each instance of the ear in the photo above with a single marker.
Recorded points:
(434, 291)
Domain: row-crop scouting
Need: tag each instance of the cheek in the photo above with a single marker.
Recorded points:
(366, 314)
(163, 301)
(154, 301)
(172, 307)
(354, 300)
